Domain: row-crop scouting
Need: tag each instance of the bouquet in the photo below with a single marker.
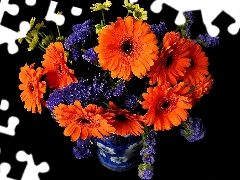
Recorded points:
(118, 78)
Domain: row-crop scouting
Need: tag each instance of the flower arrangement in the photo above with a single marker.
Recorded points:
(119, 78)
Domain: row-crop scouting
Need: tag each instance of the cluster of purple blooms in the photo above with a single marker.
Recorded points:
(159, 30)
(194, 129)
(77, 40)
(82, 90)
(148, 152)
(205, 40)
(82, 149)
(189, 21)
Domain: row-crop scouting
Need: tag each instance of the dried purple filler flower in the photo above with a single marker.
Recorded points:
(194, 129)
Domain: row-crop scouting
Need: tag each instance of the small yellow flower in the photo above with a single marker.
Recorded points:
(33, 43)
(100, 6)
(130, 6)
(139, 13)
(99, 28)
(20, 40)
(39, 26)
(32, 21)
(47, 40)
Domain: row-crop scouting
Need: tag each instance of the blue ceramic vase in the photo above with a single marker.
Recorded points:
(119, 153)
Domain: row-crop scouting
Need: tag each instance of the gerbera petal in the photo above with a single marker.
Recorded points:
(76, 133)
(69, 129)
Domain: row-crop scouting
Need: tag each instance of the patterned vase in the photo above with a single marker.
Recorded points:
(119, 153)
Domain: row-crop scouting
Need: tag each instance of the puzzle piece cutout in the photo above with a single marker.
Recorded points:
(52, 16)
(31, 171)
(209, 9)
(12, 121)
(8, 35)
(30, 2)
(59, 19)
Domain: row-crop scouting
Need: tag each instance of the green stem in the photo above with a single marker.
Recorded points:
(104, 23)
(41, 34)
(41, 48)
(58, 31)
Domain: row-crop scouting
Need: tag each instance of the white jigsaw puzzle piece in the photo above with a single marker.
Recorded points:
(8, 35)
(10, 129)
(52, 16)
(4, 170)
(210, 9)
(31, 171)
(76, 11)
(12, 121)
(30, 2)
(4, 105)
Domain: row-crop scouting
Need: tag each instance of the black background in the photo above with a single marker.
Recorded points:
(213, 158)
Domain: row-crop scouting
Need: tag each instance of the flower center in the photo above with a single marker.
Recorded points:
(191, 63)
(127, 46)
(84, 121)
(31, 87)
(121, 117)
(165, 105)
(169, 61)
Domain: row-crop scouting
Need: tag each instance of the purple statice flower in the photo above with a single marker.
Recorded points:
(151, 142)
(84, 26)
(207, 40)
(189, 15)
(145, 171)
(193, 130)
(118, 91)
(67, 95)
(159, 30)
(148, 159)
(107, 93)
(75, 53)
(80, 91)
(98, 88)
(55, 98)
(82, 149)
(148, 150)
(131, 102)
(90, 55)
(81, 33)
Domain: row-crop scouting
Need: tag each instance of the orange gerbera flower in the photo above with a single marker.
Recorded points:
(198, 69)
(55, 68)
(172, 61)
(83, 122)
(166, 106)
(127, 47)
(124, 122)
(202, 88)
(169, 40)
(33, 88)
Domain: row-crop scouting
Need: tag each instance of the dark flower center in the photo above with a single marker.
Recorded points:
(84, 121)
(127, 46)
(121, 117)
(191, 63)
(169, 61)
(31, 88)
(165, 105)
